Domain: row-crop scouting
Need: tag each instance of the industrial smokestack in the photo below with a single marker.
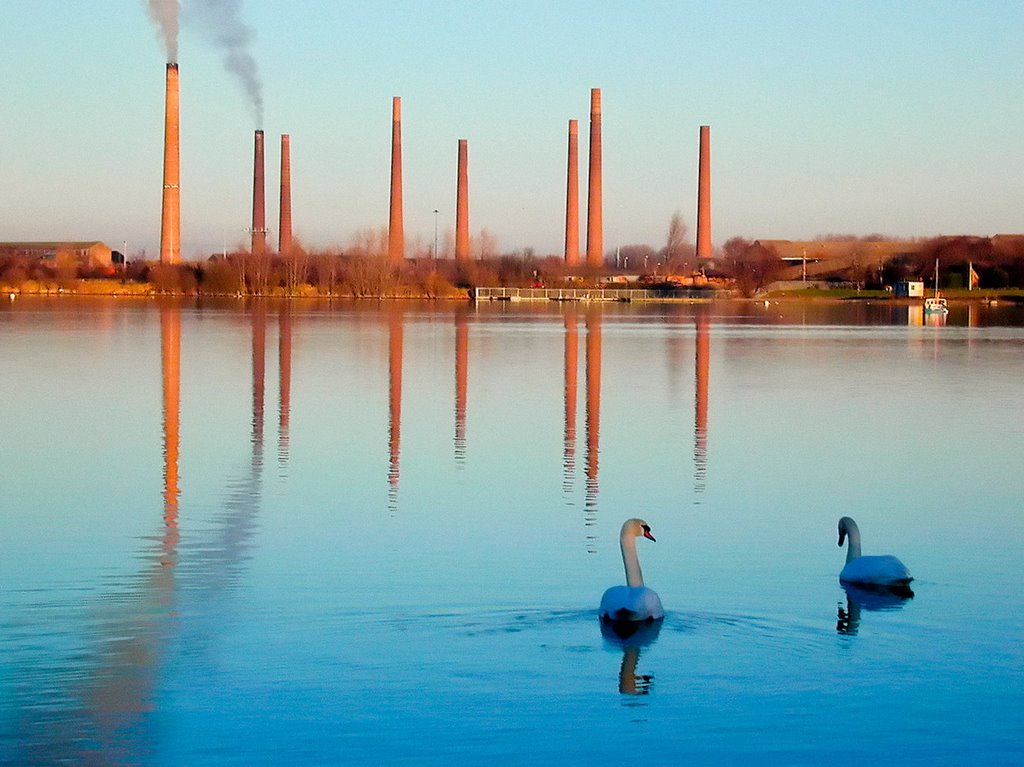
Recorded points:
(704, 195)
(396, 230)
(170, 214)
(572, 198)
(595, 227)
(259, 208)
(284, 227)
(462, 204)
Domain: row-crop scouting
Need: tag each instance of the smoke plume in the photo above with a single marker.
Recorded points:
(165, 14)
(220, 20)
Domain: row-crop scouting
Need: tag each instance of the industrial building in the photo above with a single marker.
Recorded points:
(92, 254)
(818, 257)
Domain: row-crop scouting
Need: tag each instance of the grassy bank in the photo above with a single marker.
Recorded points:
(1013, 295)
(117, 287)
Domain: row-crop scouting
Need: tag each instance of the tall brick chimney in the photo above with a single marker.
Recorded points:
(704, 195)
(462, 204)
(284, 227)
(170, 211)
(259, 207)
(595, 226)
(396, 230)
(572, 198)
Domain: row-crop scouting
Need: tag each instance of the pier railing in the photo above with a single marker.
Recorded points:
(593, 294)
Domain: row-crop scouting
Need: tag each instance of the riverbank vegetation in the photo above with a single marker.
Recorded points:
(993, 267)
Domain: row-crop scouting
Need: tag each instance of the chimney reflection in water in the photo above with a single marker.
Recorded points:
(395, 320)
(572, 342)
(461, 381)
(170, 363)
(284, 363)
(593, 323)
(700, 426)
(111, 725)
(259, 364)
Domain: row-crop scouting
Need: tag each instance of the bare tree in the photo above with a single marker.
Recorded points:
(296, 264)
(448, 244)
(752, 265)
(486, 245)
(66, 267)
(676, 241)
(326, 266)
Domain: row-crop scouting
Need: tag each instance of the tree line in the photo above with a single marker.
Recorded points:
(363, 269)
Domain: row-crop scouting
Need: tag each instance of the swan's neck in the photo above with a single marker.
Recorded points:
(629, 558)
(853, 547)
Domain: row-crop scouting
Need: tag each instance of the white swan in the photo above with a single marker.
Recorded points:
(884, 571)
(634, 601)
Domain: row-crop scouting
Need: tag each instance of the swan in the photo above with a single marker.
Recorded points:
(634, 601)
(884, 571)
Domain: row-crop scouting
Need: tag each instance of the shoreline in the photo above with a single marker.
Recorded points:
(116, 289)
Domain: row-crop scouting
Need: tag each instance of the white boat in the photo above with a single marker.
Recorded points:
(935, 304)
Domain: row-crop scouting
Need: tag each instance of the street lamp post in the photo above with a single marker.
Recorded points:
(435, 234)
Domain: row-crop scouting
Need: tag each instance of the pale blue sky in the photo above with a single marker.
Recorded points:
(900, 118)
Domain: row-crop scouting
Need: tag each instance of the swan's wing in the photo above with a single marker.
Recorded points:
(614, 599)
(652, 604)
(630, 603)
(881, 570)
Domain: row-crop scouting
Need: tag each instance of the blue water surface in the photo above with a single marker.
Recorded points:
(322, 533)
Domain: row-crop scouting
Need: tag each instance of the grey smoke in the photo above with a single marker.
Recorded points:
(221, 22)
(165, 14)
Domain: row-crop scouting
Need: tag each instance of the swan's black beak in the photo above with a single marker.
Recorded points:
(842, 537)
(647, 534)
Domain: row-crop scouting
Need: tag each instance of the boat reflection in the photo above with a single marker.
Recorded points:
(872, 599)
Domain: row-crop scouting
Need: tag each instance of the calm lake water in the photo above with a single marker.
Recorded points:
(273, 533)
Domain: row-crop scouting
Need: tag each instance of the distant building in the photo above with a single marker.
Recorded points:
(1008, 243)
(89, 254)
(909, 289)
(820, 257)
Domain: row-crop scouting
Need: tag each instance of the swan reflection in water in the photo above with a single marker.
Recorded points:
(879, 598)
(631, 638)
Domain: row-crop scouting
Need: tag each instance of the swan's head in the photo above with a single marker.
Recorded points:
(637, 528)
(846, 527)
